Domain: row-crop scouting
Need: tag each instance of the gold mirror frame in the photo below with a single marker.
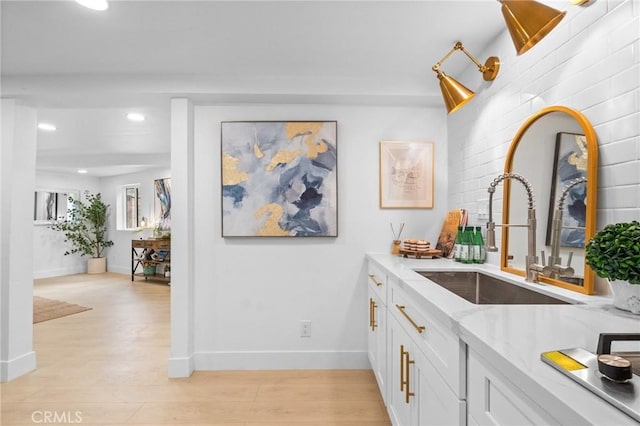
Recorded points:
(592, 185)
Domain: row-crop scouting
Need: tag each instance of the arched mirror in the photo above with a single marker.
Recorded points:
(555, 149)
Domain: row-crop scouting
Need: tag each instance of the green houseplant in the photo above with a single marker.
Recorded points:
(86, 230)
(614, 253)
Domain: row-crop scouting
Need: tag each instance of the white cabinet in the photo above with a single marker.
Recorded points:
(417, 394)
(400, 397)
(493, 400)
(418, 363)
(442, 346)
(377, 339)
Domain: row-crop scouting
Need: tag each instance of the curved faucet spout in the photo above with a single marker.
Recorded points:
(555, 261)
(532, 266)
(519, 178)
(491, 233)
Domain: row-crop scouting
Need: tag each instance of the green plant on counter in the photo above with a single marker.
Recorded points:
(614, 252)
(86, 228)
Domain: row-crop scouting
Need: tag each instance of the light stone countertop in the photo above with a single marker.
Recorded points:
(512, 337)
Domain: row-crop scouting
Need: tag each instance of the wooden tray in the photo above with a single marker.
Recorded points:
(430, 253)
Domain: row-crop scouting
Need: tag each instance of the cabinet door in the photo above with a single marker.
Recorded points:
(400, 410)
(493, 400)
(436, 402)
(378, 341)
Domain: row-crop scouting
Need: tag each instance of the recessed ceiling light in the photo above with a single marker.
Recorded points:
(83, 171)
(94, 4)
(134, 116)
(46, 126)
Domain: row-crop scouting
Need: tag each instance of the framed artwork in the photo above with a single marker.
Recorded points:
(162, 203)
(570, 163)
(406, 174)
(279, 179)
(51, 206)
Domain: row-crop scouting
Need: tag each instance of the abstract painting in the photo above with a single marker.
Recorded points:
(162, 204)
(279, 179)
(570, 163)
(406, 174)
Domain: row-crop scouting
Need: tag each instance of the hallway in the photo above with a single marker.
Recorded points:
(108, 366)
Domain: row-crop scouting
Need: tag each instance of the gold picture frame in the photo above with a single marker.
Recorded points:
(406, 174)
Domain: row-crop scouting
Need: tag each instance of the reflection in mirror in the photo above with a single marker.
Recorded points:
(569, 165)
(552, 149)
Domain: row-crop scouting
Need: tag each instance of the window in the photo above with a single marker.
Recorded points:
(129, 210)
(131, 207)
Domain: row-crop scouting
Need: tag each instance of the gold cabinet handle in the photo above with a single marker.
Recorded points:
(376, 282)
(402, 379)
(407, 392)
(419, 328)
(372, 314)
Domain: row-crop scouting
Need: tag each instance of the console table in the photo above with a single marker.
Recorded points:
(153, 254)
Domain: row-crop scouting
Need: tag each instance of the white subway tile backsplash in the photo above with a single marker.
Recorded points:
(618, 152)
(621, 197)
(612, 109)
(625, 215)
(626, 173)
(589, 15)
(624, 35)
(625, 127)
(592, 96)
(627, 80)
(613, 4)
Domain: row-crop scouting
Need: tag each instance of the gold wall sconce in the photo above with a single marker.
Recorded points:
(529, 22)
(456, 94)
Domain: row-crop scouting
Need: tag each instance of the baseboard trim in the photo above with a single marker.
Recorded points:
(49, 273)
(180, 367)
(17, 367)
(281, 360)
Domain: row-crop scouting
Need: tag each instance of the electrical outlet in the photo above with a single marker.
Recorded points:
(305, 328)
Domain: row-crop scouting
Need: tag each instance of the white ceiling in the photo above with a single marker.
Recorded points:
(84, 70)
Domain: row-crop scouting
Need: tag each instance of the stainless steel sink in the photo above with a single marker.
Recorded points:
(483, 289)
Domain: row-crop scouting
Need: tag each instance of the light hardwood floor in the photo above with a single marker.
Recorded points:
(108, 366)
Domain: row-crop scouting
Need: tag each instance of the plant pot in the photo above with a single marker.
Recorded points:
(626, 296)
(96, 265)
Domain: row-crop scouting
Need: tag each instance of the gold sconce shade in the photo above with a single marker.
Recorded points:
(528, 22)
(454, 93)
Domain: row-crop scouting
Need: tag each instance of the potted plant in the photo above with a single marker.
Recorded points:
(614, 253)
(86, 230)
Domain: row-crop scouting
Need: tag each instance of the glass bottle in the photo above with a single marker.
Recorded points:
(457, 245)
(478, 246)
(466, 254)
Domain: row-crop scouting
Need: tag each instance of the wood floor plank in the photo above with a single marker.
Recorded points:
(110, 365)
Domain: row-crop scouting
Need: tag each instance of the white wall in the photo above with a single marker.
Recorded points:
(17, 173)
(590, 62)
(119, 255)
(48, 245)
(251, 293)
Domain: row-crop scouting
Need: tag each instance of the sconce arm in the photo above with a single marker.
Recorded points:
(489, 70)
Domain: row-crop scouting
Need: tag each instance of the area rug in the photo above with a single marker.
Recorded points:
(47, 309)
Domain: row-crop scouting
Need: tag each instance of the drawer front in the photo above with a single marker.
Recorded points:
(377, 279)
(154, 244)
(161, 244)
(492, 399)
(443, 348)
